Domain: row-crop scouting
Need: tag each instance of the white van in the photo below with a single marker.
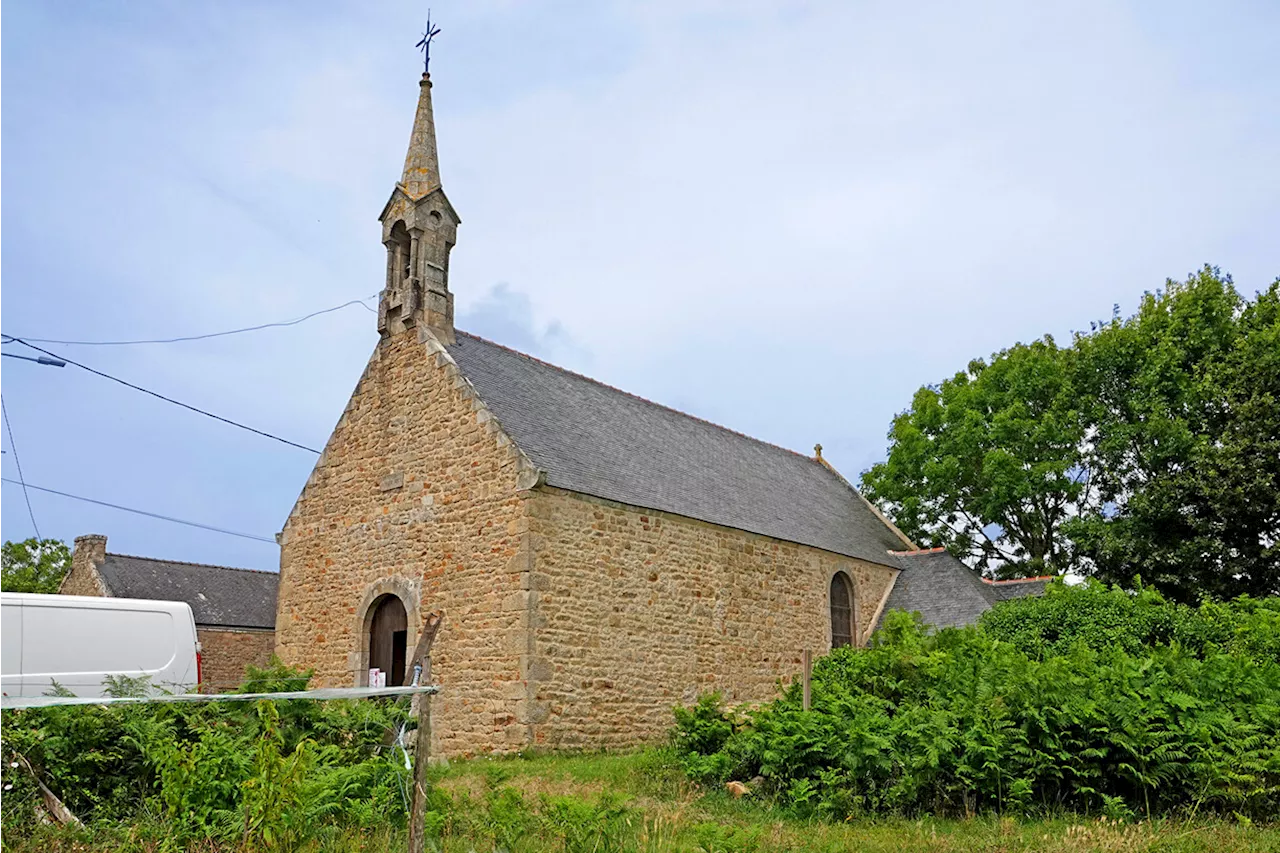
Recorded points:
(78, 641)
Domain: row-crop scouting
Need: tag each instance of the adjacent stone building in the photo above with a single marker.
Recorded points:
(599, 558)
(234, 609)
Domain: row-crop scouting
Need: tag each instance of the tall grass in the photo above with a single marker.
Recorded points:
(637, 804)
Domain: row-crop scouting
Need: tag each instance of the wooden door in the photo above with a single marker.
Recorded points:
(388, 636)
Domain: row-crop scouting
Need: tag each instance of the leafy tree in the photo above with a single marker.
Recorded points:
(989, 463)
(1149, 449)
(1184, 403)
(36, 565)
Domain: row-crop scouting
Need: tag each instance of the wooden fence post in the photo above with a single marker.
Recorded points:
(422, 740)
(806, 664)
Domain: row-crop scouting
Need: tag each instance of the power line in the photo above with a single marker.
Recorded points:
(163, 397)
(8, 425)
(209, 527)
(280, 324)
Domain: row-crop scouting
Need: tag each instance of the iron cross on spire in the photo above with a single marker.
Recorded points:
(425, 44)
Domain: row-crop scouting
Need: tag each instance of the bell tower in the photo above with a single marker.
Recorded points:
(419, 228)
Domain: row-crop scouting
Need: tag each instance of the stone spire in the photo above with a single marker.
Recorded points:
(419, 228)
(421, 163)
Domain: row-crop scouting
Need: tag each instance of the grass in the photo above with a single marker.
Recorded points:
(640, 802)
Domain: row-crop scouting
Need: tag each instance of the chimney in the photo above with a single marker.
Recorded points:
(90, 552)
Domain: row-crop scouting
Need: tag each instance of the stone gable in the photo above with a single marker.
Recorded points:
(418, 494)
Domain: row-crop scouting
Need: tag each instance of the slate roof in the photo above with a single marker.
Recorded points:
(946, 592)
(594, 439)
(218, 595)
(1006, 590)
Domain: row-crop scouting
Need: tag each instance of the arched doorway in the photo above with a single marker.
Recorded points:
(841, 610)
(388, 638)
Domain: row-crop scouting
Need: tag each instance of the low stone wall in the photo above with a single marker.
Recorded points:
(417, 496)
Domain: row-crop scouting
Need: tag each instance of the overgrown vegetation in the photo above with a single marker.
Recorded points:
(1102, 704)
(268, 775)
(1104, 618)
(1091, 719)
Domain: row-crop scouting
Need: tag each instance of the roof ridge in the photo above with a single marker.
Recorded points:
(1018, 580)
(918, 551)
(189, 563)
(638, 397)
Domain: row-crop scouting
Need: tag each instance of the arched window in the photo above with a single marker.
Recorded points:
(841, 610)
(388, 638)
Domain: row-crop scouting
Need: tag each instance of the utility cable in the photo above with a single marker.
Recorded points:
(280, 324)
(209, 527)
(8, 425)
(163, 397)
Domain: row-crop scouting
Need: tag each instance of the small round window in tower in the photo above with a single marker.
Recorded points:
(435, 218)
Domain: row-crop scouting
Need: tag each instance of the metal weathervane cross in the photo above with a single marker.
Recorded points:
(425, 44)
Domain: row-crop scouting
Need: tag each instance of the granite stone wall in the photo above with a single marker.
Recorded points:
(417, 494)
(634, 611)
(225, 652)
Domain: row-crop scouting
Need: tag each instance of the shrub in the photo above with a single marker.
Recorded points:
(699, 738)
(1104, 618)
(961, 721)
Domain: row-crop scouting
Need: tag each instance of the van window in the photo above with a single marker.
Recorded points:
(92, 640)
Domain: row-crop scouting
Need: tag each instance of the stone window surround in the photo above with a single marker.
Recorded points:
(409, 593)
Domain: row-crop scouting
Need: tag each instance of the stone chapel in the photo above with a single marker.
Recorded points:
(599, 557)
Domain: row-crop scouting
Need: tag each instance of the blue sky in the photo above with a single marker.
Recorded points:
(781, 217)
